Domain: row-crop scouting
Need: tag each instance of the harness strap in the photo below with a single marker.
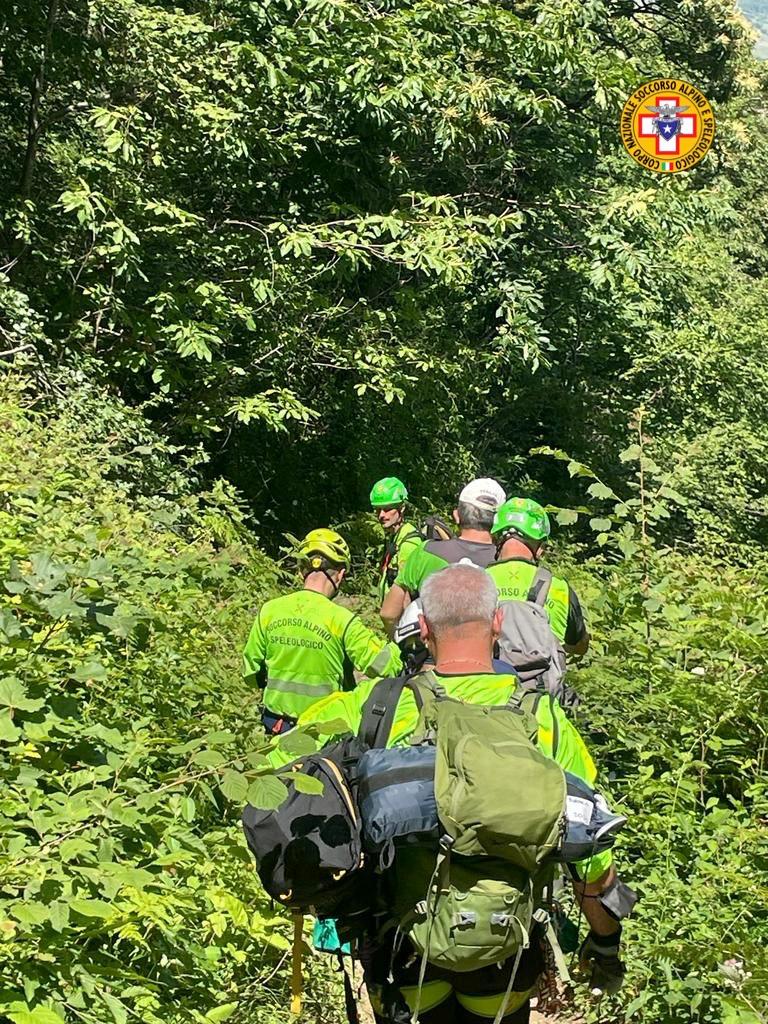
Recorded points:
(524, 943)
(442, 869)
(542, 917)
(350, 1003)
(539, 591)
(296, 952)
(393, 544)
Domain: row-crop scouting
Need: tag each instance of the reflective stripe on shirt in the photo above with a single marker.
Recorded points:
(302, 689)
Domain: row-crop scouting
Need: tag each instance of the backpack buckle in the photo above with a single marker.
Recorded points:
(467, 918)
(379, 709)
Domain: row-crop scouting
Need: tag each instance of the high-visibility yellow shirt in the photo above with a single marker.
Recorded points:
(303, 647)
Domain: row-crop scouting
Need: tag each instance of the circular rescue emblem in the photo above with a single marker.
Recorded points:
(667, 125)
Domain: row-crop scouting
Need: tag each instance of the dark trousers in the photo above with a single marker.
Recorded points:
(276, 725)
(452, 997)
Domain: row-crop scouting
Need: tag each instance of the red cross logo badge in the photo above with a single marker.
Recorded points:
(667, 123)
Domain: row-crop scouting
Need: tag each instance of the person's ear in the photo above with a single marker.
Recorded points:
(539, 550)
(340, 574)
(424, 632)
(455, 515)
(496, 623)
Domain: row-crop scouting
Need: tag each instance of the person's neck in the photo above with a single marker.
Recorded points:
(319, 583)
(516, 549)
(478, 536)
(461, 658)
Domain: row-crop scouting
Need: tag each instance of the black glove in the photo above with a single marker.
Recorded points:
(599, 955)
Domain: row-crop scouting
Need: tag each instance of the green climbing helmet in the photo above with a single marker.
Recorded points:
(388, 492)
(322, 547)
(523, 517)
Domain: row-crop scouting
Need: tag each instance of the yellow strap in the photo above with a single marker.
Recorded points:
(296, 986)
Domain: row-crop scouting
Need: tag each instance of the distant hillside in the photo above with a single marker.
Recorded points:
(757, 12)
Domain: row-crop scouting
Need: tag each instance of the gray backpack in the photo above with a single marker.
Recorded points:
(528, 644)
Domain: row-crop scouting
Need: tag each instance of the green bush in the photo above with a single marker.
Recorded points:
(674, 704)
(127, 891)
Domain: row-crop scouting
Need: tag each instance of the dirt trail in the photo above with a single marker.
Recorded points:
(560, 1018)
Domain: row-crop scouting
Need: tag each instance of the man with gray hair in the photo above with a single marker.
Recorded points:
(474, 515)
(460, 622)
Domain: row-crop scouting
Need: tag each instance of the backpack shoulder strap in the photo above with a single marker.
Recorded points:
(413, 534)
(426, 681)
(526, 697)
(526, 700)
(379, 712)
(539, 591)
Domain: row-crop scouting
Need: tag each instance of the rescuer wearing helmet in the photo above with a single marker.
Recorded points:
(473, 515)
(520, 530)
(388, 498)
(303, 647)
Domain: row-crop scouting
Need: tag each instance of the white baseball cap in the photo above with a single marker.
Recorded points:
(484, 493)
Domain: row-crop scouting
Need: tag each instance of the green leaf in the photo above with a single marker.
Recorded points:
(627, 547)
(220, 1013)
(600, 525)
(61, 606)
(116, 1008)
(221, 736)
(91, 908)
(578, 469)
(555, 453)
(58, 913)
(16, 586)
(637, 1003)
(331, 727)
(209, 758)
(71, 849)
(601, 490)
(234, 786)
(90, 670)
(21, 1014)
(8, 731)
(307, 784)
(30, 912)
(566, 517)
(9, 624)
(297, 743)
(266, 793)
(13, 694)
(631, 454)
(673, 495)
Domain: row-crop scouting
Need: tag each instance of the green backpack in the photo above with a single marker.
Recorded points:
(501, 805)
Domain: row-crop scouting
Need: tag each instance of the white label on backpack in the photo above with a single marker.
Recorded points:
(579, 810)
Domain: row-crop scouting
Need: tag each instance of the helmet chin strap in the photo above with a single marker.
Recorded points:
(512, 535)
(332, 581)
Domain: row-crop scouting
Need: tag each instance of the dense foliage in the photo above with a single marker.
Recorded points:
(675, 706)
(127, 891)
(255, 255)
(298, 229)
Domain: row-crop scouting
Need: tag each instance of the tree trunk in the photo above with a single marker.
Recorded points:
(38, 89)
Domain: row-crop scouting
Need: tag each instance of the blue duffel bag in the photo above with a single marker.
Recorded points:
(396, 795)
(590, 825)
